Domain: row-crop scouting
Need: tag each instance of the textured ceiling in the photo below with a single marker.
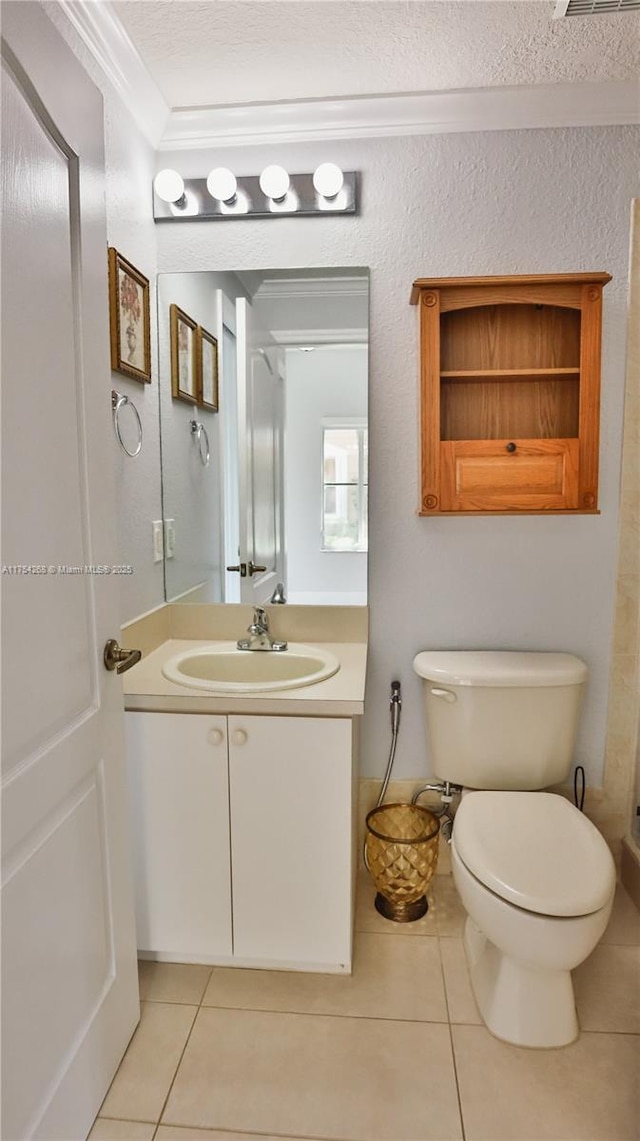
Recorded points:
(232, 51)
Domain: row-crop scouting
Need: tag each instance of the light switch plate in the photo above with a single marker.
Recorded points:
(158, 541)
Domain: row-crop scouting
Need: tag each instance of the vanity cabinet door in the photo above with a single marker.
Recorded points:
(178, 775)
(291, 841)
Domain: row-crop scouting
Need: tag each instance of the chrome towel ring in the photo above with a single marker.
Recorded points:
(200, 432)
(118, 401)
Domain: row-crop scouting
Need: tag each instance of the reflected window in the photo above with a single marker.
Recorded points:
(345, 487)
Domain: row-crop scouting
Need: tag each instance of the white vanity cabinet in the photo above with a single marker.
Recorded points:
(243, 832)
(179, 781)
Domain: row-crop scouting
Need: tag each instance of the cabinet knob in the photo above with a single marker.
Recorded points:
(239, 737)
(215, 736)
(511, 447)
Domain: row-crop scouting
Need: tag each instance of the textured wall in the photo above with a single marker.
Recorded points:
(506, 202)
(129, 163)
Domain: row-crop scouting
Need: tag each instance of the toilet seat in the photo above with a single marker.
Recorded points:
(535, 850)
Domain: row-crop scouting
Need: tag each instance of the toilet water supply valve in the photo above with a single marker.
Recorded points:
(447, 792)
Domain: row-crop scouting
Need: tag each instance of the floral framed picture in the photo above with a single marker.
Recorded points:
(129, 319)
(183, 355)
(207, 369)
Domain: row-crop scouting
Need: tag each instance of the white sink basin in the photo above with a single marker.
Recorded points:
(222, 668)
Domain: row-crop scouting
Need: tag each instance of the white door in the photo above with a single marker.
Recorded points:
(69, 982)
(261, 431)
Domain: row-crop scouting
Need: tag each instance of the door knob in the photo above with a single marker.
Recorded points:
(239, 737)
(241, 569)
(254, 568)
(119, 660)
(215, 736)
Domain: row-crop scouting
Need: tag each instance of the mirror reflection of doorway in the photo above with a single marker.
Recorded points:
(293, 361)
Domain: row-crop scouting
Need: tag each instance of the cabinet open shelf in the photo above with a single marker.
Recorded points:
(516, 407)
(509, 373)
(510, 384)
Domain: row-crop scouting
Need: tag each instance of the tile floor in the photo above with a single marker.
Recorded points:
(396, 1052)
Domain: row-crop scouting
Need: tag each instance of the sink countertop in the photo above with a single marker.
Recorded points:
(146, 688)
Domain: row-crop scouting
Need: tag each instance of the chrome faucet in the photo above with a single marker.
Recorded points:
(259, 636)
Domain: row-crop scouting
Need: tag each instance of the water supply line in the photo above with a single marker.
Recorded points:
(395, 708)
(445, 788)
(447, 792)
(579, 782)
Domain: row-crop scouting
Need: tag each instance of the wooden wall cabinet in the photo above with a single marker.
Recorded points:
(510, 393)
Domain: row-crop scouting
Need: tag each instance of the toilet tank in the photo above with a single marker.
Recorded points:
(501, 719)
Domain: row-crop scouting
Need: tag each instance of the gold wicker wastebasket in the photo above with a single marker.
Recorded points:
(401, 848)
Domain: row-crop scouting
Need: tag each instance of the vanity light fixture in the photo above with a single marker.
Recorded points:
(274, 193)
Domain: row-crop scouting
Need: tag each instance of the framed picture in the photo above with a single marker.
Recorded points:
(183, 355)
(129, 319)
(207, 369)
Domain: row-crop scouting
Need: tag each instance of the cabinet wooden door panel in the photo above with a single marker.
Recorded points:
(178, 777)
(291, 817)
(481, 475)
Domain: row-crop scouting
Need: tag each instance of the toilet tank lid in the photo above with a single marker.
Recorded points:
(499, 668)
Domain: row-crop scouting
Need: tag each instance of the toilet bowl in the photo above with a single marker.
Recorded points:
(537, 881)
(535, 876)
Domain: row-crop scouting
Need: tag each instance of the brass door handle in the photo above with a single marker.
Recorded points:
(241, 569)
(254, 569)
(117, 659)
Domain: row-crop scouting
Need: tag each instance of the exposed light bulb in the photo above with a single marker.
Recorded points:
(222, 184)
(328, 179)
(274, 182)
(169, 185)
(185, 207)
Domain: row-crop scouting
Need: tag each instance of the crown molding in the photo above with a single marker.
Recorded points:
(433, 112)
(293, 288)
(358, 117)
(104, 35)
(321, 338)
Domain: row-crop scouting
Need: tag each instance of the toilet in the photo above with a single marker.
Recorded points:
(535, 876)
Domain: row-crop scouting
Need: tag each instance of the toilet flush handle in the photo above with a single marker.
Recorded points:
(445, 694)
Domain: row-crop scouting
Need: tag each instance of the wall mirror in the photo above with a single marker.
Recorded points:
(272, 487)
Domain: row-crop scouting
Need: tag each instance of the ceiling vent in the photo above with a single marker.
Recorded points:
(593, 7)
